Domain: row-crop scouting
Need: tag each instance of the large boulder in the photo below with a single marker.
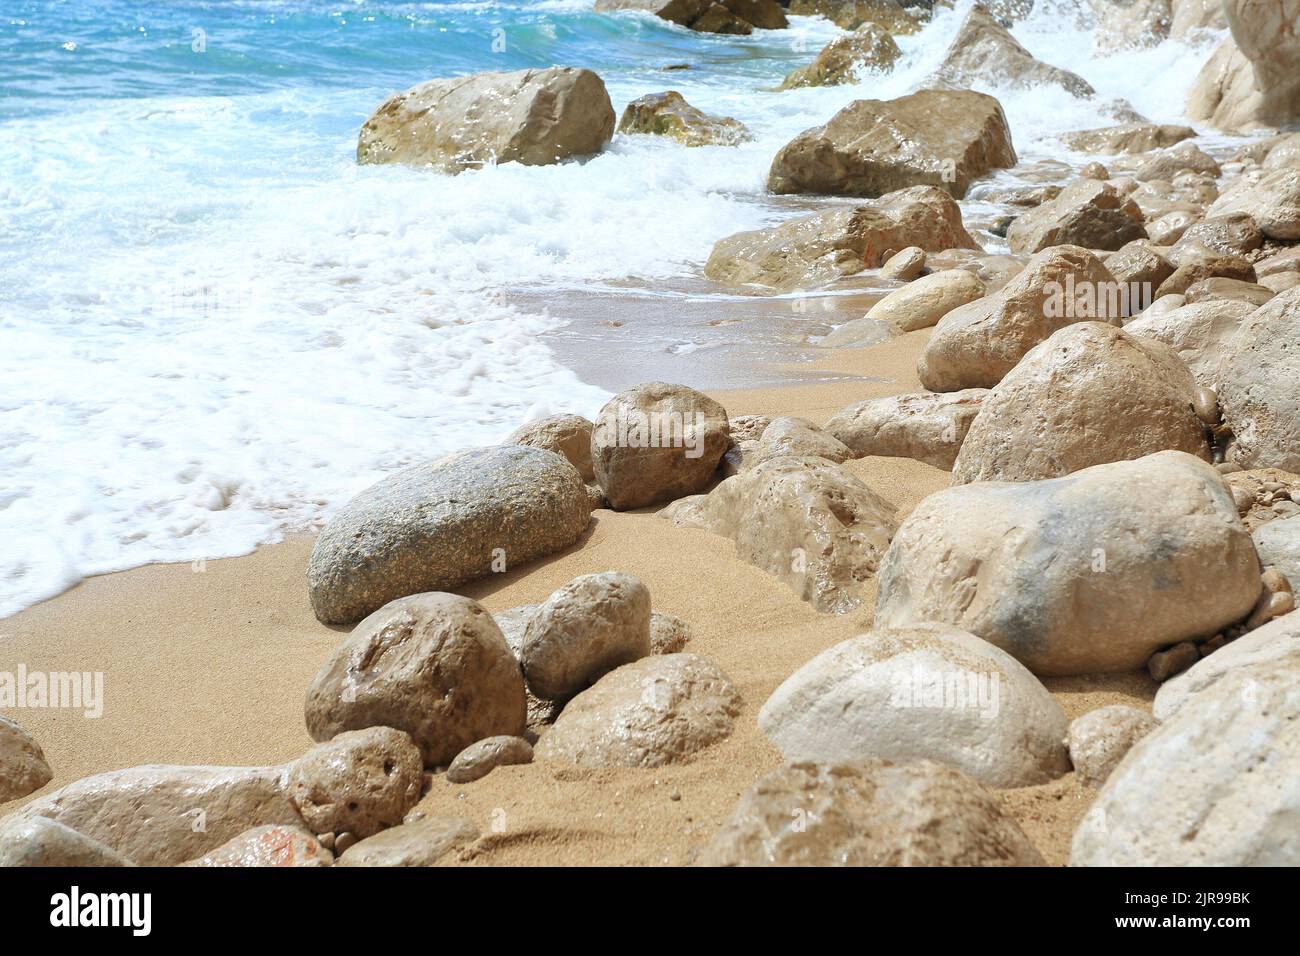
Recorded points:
(1127, 138)
(569, 436)
(926, 426)
(165, 815)
(1267, 648)
(930, 692)
(923, 302)
(1258, 386)
(36, 841)
(985, 52)
(655, 442)
(1253, 77)
(819, 248)
(23, 768)
(668, 114)
(874, 813)
(944, 138)
(1278, 544)
(1087, 213)
(869, 48)
(434, 665)
(1197, 332)
(1090, 394)
(655, 711)
(1214, 785)
(593, 624)
(976, 344)
(534, 117)
(805, 520)
(1272, 201)
(1084, 574)
(435, 526)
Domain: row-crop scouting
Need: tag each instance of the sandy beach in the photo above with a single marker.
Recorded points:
(210, 663)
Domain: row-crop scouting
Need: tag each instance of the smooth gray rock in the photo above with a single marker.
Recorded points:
(438, 525)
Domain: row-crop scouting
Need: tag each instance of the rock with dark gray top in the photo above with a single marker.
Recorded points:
(435, 526)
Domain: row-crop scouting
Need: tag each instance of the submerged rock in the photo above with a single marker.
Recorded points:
(869, 48)
(668, 114)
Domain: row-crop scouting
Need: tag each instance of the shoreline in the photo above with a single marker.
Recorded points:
(212, 666)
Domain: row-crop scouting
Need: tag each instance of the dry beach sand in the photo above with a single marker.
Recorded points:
(210, 665)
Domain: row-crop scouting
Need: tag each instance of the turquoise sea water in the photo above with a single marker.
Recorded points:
(215, 327)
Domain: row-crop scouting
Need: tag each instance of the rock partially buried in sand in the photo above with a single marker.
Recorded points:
(1100, 738)
(926, 426)
(36, 841)
(658, 710)
(438, 525)
(655, 442)
(1087, 213)
(1084, 574)
(271, 846)
(1214, 785)
(433, 665)
(976, 344)
(165, 815)
(585, 629)
(359, 782)
(868, 48)
(930, 692)
(922, 303)
(804, 520)
(1090, 394)
(534, 117)
(669, 634)
(984, 52)
(23, 768)
(422, 842)
(1257, 386)
(568, 436)
(869, 814)
(1127, 138)
(941, 138)
(817, 249)
(480, 759)
(668, 114)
